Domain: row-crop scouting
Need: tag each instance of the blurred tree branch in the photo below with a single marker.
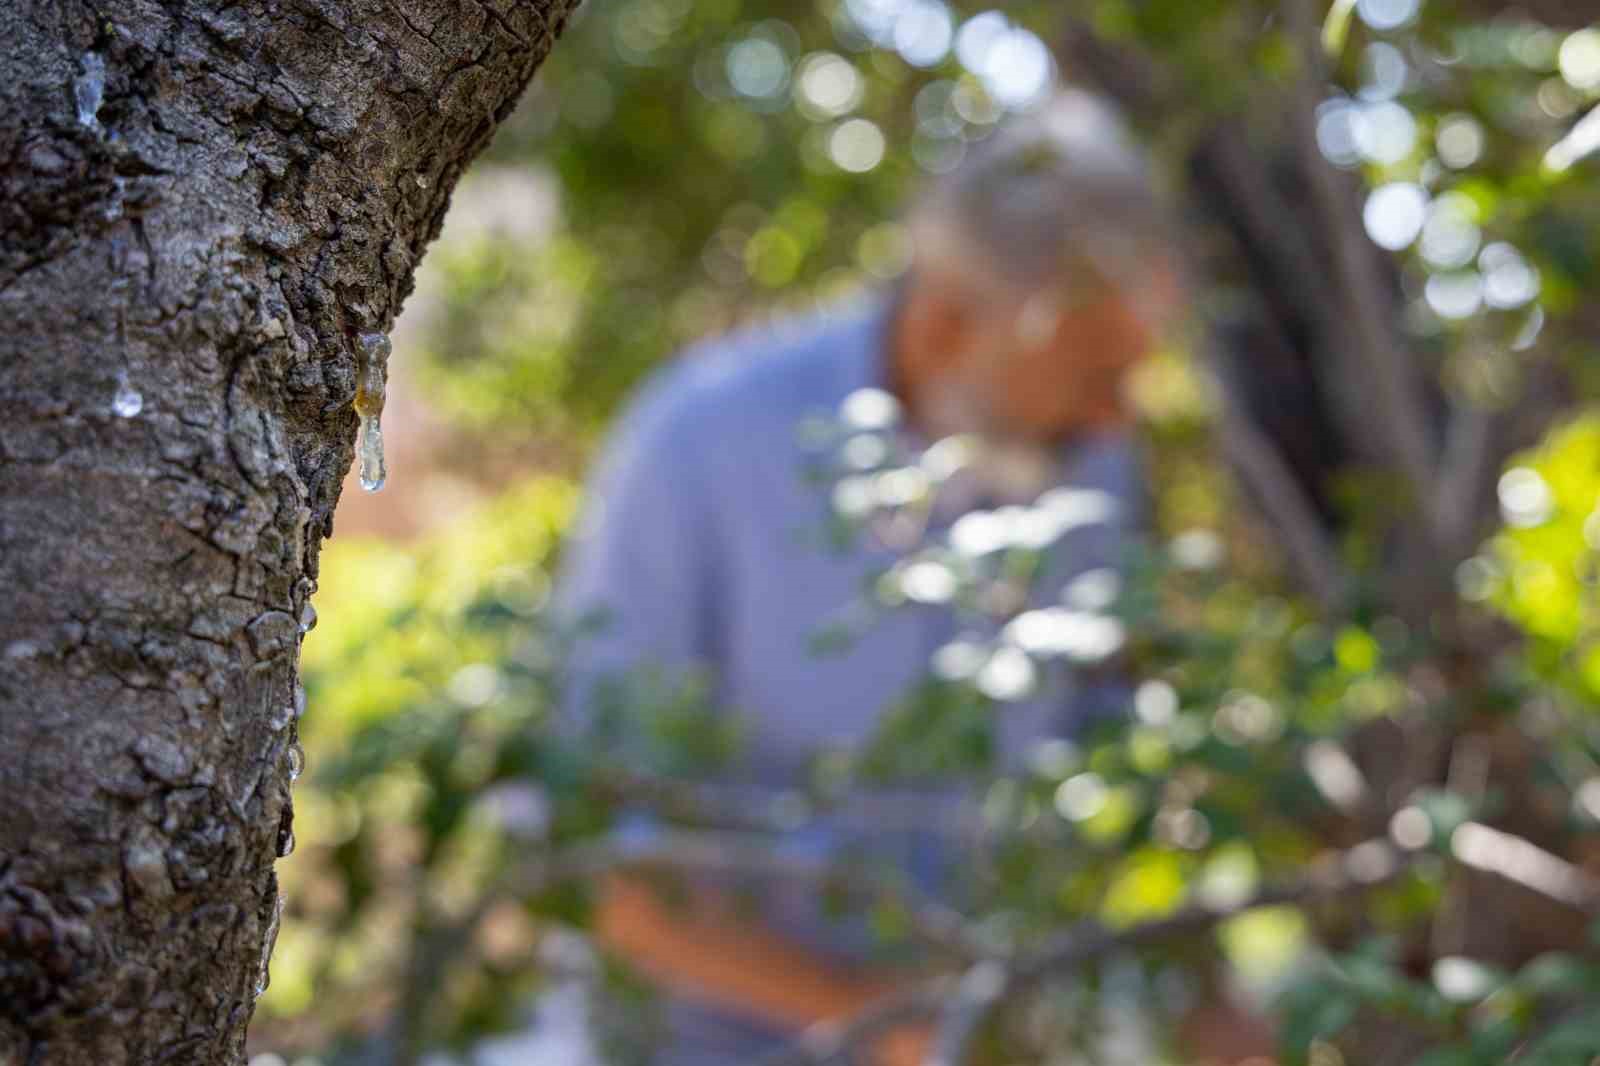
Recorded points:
(682, 851)
(968, 999)
(1387, 366)
(962, 1004)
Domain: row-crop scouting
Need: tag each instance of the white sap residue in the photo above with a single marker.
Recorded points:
(89, 89)
(127, 401)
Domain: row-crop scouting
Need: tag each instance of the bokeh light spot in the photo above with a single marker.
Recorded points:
(884, 250)
(757, 68)
(1081, 797)
(1156, 703)
(1387, 14)
(1580, 59)
(870, 409)
(1451, 237)
(856, 145)
(1384, 72)
(978, 35)
(1455, 296)
(1508, 280)
(923, 33)
(828, 86)
(1384, 133)
(1394, 214)
(928, 582)
(1336, 132)
(1018, 70)
(1012, 63)
(1525, 498)
(1008, 675)
(1459, 141)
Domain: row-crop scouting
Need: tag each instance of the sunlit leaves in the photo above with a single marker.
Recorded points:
(1149, 884)
(1543, 565)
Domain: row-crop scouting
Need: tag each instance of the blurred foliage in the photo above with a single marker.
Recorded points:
(1541, 569)
(716, 161)
(440, 763)
(431, 686)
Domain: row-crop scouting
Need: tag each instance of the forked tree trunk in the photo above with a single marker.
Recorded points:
(203, 205)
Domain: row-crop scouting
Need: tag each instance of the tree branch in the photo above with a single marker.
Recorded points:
(981, 987)
(1400, 417)
(1365, 867)
(685, 850)
(1309, 552)
(1470, 452)
(1506, 855)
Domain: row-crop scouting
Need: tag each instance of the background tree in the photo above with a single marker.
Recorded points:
(207, 207)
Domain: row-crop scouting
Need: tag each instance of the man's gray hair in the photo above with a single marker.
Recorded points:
(1050, 193)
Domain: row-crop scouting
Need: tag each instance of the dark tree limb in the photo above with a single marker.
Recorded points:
(1399, 416)
(1306, 545)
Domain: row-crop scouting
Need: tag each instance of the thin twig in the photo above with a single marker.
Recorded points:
(1469, 454)
(980, 989)
(1309, 552)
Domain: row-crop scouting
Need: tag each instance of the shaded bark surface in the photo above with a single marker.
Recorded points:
(249, 194)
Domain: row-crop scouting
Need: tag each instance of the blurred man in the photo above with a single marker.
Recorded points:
(1041, 273)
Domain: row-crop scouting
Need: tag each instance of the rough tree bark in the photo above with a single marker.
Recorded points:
(189, 251)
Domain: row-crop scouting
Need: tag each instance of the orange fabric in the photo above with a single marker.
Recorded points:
(1217, 1033)
(703, 948)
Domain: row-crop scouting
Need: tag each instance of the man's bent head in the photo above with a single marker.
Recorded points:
(1044, 269)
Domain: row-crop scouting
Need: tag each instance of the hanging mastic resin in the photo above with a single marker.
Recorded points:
(371, 375)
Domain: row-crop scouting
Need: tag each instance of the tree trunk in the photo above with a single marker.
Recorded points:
(204, 204)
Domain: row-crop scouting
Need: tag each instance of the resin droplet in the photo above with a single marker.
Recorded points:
(89, 89)
(286, 845)
(308, 618)
(127, 402)
(372, 372)
(371, 379)
(373, 473)
(297, 761)
(422, 181)
(263, 974)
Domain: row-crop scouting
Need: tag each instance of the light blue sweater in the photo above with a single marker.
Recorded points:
(701, 538)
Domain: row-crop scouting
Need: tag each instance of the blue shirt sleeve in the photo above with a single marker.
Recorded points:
(638, 571)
